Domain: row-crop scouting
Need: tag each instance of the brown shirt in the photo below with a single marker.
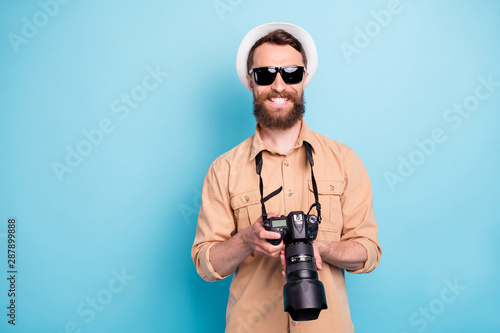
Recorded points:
(231, 202)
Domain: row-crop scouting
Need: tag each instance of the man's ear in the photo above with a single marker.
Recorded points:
(250, 82)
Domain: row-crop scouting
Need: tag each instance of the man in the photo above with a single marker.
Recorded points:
(230, 236)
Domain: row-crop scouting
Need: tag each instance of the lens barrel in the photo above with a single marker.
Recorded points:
(304, 295)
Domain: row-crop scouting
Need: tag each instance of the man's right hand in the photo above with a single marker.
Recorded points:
(256, 237)
(226, 256)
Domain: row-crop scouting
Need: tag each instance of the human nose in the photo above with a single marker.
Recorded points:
(278, 85)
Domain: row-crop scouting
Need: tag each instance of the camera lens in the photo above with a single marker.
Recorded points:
(304, 294)
(300, 262)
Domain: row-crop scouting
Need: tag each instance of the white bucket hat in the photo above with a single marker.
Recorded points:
(256, 33)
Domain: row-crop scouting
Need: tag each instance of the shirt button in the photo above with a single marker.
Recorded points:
(294, 323)
(286, 163)
(289, 193)
(331, 188)
(245, 199)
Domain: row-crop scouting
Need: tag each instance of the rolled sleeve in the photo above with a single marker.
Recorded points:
(357, 210)
(215, 222)
(373, 256)
(207, 271)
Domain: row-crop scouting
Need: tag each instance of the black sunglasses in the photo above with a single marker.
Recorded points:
(265, 76)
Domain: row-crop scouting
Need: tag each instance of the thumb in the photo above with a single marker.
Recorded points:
(273, 214)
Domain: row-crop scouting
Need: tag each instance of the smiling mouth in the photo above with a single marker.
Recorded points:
(278, 102)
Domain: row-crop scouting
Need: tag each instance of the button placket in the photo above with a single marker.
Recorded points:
(288, 182)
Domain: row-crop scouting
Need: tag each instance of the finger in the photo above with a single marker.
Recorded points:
(317, 256)
(274, 250)
(275, 254)
(260, 221)
(273, 214)
(283, 262)
(264, 234)
(267, 249)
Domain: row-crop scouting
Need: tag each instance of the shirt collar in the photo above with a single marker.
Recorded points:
(305, 134)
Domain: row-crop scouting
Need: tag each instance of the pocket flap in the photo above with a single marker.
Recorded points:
(328, 187)
(327, 233)
(245, 199)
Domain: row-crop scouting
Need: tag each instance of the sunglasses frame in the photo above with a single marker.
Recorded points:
(278, 70)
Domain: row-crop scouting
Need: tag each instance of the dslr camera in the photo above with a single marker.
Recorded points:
(303, 294)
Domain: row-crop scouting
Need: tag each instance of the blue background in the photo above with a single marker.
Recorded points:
(129, 206)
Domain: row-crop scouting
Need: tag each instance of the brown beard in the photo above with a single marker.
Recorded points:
(265, 117)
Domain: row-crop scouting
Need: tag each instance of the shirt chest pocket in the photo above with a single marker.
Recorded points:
(247, 208)
(329, 192)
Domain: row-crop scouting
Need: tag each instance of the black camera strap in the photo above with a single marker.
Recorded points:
(315, 187)
(258, 165)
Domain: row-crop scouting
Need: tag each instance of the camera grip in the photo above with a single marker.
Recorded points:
(275, 241)
(268, 226)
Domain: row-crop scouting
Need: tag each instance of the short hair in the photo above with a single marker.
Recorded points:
(278, 37)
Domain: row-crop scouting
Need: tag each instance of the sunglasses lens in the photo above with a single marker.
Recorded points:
(292, 74)
(264, 76)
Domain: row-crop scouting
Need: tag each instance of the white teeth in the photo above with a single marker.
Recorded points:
(279, 100)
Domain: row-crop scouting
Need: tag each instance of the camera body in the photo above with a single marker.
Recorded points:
(303, 294)
(297, 226)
